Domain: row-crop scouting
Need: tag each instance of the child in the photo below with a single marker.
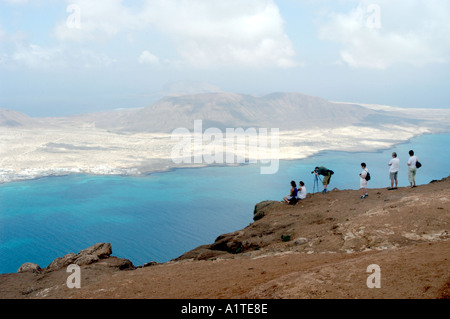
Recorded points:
(363, 181)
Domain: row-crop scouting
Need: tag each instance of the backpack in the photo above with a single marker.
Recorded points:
(367, 176)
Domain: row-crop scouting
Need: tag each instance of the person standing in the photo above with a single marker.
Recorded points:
(394, 165)
(412, 168)
(363, 181)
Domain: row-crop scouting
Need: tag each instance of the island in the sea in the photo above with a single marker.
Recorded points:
(139, 141)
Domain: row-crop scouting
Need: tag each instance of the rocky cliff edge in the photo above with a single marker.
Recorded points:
(319, 248)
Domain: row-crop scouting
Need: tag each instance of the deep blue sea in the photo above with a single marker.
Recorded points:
(160, 216)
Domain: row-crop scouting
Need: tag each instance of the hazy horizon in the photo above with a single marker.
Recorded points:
(60, 58)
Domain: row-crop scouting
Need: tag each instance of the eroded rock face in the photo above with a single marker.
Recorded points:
(62, 262)
(101, 250)
(29, 267)
(340, 222)
(97, 253)
(87, 256)
(260, 209)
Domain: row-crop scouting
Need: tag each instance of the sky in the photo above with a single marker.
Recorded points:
(63, 57)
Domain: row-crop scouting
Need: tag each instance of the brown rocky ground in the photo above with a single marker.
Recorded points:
(320, 248)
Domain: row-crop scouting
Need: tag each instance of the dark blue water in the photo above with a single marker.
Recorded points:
(161, 216)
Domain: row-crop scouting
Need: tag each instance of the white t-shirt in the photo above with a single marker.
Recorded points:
(394, 163)
(363, 182)
(302, 193)
(412, 161)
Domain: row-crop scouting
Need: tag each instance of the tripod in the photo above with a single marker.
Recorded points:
(316, 183)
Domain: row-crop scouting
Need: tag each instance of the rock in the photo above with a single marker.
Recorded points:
(152, 263)
(28, 290)
(122, 263)
(101, 250)
(29, 267)
(260, 209)
(300, 241)
(85, 257)
(86, 260)
(228, 243)
(117, 263)
(62, 262)
(203, 252)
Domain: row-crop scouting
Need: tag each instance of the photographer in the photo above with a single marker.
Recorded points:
(327, 176)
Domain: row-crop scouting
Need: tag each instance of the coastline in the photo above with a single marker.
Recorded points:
(345, 164)
(167, 165)
(299, 170)
(319, 248)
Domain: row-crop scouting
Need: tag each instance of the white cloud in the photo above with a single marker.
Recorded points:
(232, 32)
(99, 20)
(204, 33)
(17, 51)
(148, 58)
(389, 33)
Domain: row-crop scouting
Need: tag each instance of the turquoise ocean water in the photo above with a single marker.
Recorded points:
(160, 216)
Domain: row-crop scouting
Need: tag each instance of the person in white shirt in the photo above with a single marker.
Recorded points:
(412, 168)
(363, 182)
(393, 170)
(301, 194)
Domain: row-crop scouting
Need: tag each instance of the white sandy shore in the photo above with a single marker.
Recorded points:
(39, 152)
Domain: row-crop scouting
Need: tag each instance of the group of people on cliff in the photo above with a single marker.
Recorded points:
(299, 193)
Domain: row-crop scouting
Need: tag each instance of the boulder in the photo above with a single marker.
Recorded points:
(101, 250)
(115, 263)
(85, 257)
(150, 264)
(29, 267)
(300, 241)
(261, 208)
(62, 262)
(203, 252)
(120, 263)
(86, 260)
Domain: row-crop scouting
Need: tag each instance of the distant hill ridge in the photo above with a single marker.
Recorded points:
(287, 111)
(9, 118)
